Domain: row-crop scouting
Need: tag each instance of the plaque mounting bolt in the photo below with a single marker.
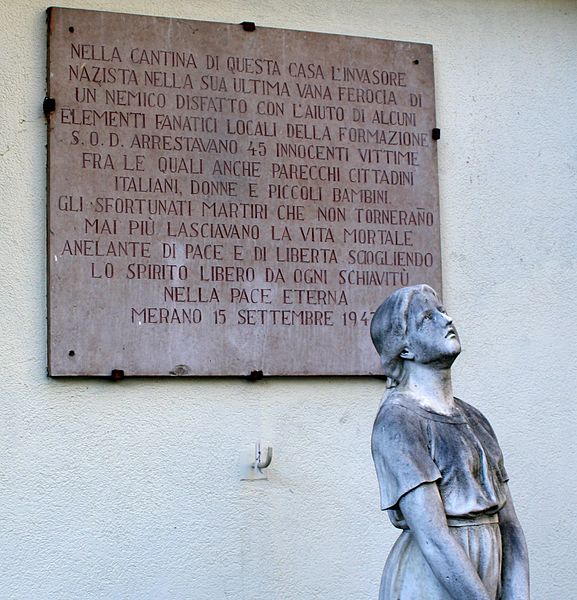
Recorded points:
(48, 106)
(255, 375)
(117, 375)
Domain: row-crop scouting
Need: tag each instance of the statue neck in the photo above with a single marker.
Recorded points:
(430, 386)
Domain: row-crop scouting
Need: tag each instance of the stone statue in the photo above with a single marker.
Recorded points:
(439, 466)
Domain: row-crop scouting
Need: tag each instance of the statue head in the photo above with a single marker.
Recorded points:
(411, 325)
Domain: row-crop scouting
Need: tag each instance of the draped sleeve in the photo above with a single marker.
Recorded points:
(401, 453)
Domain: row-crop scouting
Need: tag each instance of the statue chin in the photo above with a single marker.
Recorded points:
(443, 357)
(455, 352)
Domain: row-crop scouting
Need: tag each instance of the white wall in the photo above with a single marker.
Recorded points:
(131, 490)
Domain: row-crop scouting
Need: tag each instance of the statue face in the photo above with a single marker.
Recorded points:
(431, 335)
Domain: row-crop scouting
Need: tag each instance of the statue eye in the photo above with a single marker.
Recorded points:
(428, 316)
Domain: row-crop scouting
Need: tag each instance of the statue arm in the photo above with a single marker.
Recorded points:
(424, 512)
(515, 567)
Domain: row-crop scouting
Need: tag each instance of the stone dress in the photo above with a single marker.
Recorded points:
(411, 446)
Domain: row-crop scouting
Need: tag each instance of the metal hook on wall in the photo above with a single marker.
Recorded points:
(261, 463)
(255, 461)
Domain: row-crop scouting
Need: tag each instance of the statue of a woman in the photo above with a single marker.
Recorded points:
(439, 466)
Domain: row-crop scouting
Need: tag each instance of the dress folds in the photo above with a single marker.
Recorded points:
(411, 446)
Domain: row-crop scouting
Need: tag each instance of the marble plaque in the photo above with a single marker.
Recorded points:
(225, 201)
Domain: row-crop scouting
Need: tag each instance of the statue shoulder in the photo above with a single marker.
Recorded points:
(474, 415)
(397, 412)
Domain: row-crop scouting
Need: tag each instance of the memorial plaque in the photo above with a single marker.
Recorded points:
(225, 200)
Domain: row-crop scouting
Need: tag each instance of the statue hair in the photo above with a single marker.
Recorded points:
(389, 329)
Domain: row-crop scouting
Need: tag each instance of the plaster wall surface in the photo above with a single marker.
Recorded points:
(132, 490)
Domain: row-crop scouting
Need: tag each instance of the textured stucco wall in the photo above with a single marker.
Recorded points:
(132, 491)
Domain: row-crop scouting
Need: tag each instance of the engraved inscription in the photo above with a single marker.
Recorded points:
(232, 201)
